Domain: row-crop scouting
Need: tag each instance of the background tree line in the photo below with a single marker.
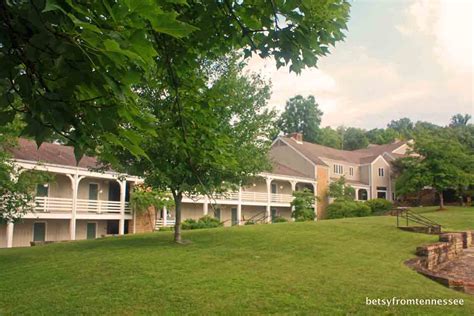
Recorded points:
(304, 115)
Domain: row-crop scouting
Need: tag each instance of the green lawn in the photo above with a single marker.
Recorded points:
(328, 267)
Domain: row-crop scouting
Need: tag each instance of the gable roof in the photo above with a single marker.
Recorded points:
(50, 153)
(316, 152)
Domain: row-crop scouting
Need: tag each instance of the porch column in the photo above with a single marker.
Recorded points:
(269, 198)
(165, 216)
(10, 227)
(205, 206)
(293, 189)
(239, 208)
(75, 180)
(123, 187)
(315, 190)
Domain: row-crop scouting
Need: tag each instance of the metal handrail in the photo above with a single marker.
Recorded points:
(416, 218)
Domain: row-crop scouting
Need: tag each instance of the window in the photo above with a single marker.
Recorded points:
(381, 172)
(338, 169)
(234, 216)
(351, 171)
(42, 190)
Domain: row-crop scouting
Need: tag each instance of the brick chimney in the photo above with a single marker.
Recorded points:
(298, 137)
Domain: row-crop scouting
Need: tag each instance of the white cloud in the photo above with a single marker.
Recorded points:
(449, 23)
(286, 85)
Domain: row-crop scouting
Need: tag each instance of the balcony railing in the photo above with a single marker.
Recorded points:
(63, 205)
(254, 196)
(247, 196)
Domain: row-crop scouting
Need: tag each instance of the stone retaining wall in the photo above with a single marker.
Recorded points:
(432, 258)
(450, 246)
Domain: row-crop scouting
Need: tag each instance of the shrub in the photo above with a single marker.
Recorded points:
(345, 208)
(250, 222)
(303, 205)
(203, 222)
(379, 206)
(279, 219)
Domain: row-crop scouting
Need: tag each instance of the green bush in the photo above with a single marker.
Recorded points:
(250, 222)
(379, 206)
(279, 219)
(203, 222)
(345, 208)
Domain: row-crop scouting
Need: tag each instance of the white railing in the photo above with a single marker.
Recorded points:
(247, 196)
(254, 196)
(62, 205)
(51, 205)
(160, 222)
(282, 198)
(100, 206)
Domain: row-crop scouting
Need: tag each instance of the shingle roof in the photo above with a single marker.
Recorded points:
(316, 152)
(278, 168)
(50, 153)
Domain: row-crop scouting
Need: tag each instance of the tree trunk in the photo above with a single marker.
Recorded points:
(468, 200)
(177, 226)
(441, 200)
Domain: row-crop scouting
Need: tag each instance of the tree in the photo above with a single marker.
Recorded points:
(441, 163)
(381, 136)
(460, 120)
(339, 190)
(303, 204)
(215, 138)
(74, 66)
(301, 115)
(403, 126)
(329, 137)
(354, 138)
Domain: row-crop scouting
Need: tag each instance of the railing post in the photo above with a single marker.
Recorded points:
(75, 180)
(205, 206)
(165, 216)
(269, 198)
(123, 187)
(10, 227)
(239, 207)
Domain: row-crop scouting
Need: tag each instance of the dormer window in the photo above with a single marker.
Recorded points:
(381, 172)
(338, 169)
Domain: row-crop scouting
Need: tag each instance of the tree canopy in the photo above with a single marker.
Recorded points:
(441, 162)
(73, 66)
(301, 115)
(216, 137)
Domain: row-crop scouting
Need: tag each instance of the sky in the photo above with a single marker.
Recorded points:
(400, 58)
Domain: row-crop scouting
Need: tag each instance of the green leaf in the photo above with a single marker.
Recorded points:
(168, 24)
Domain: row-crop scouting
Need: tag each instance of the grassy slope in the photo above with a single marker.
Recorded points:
(329, 267)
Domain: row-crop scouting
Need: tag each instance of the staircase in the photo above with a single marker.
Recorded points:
(259, 218)
(411, 221)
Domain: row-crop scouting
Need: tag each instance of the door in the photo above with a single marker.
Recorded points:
(217, 213)
(273, 214)
(93, 191)
(39, 231)
(91, 230)
(234, 218)
(93, 196)
(274, 188)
